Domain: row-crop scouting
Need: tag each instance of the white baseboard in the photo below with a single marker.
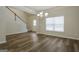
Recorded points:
(2, 39)
(60, 36)
(2, 42)
(15, 33)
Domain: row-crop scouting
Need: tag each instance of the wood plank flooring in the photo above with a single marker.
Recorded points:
(32, 42)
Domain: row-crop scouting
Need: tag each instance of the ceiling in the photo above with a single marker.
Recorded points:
(32, 9)
(39, 8)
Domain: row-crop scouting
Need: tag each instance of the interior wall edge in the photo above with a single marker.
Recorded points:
(15, 33)
(59, 36)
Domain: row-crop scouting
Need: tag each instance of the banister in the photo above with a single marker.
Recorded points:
(13, 13)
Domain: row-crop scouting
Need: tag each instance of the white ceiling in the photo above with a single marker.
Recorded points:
(32, 9)
(39, 8)
(22, 8)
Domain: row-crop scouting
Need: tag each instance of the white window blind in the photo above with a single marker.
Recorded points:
(55, 24)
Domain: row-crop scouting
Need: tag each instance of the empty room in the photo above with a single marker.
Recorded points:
(39, 29)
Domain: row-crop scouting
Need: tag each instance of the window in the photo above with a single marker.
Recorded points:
(55, 24)
(34, 22)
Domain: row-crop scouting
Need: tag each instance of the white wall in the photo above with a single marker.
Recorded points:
(15, 26)
(71, 19)
(24, 16)
(8, 25)
(71, 22)
(2, 30)
(2, 25)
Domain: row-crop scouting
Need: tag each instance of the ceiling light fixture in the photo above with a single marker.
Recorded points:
(38, 14)
(41, 14)
(46, 14)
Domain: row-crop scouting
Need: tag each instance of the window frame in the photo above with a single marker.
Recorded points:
(34, 22)
(54, 25)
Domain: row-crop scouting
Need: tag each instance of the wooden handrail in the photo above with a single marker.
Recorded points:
(13, 13)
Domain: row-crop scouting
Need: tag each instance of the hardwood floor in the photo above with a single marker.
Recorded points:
(33, 42)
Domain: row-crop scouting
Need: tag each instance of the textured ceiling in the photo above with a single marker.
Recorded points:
(32, 9)
(39, 8)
